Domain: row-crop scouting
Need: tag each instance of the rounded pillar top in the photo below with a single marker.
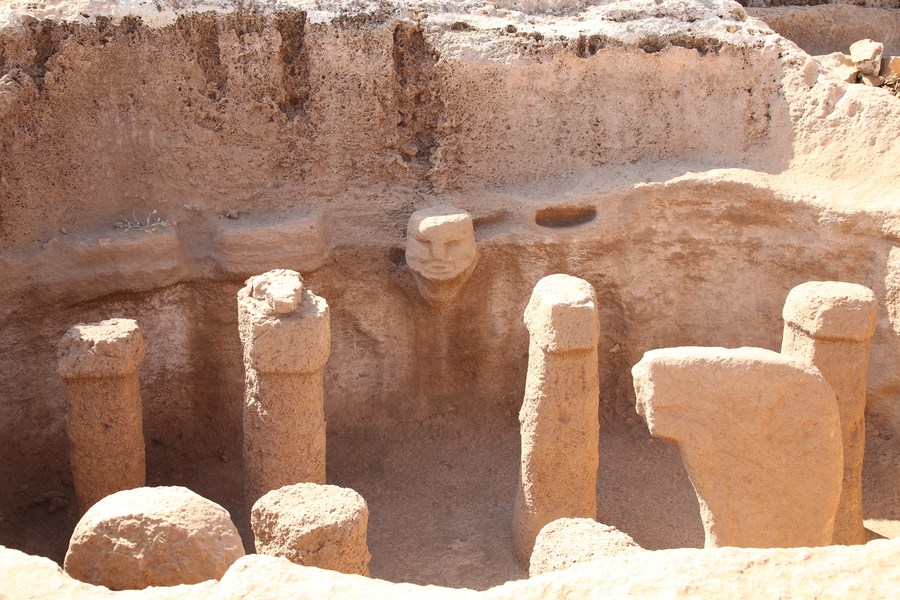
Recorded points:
(110, 348)
(284, 327)
(832, 310)
(562, 314)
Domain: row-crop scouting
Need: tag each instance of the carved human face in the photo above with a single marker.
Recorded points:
(440, 243)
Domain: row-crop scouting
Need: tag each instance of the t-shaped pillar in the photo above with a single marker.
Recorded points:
(286, 333)
(559, 420)
(760, 437)
(99, 363)
(830, 325)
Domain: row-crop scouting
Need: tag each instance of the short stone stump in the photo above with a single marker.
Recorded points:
(157, 536)
(566, 542)
(314, 525)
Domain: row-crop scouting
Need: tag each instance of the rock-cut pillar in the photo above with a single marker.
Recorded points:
(286, 333)
(559, 421)
(760, 437)
(830, 325)
(99, 364)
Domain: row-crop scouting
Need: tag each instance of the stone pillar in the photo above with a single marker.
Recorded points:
(760, 437)
(830, 324)
(99, 364)
(559, 420)
(286, 333)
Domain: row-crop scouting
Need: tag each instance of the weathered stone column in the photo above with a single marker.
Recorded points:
(830, 325)
(559, 420)
(286, 333)
(760, 437)
(99, 363)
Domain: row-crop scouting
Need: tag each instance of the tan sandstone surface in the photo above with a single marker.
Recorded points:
(681, 157)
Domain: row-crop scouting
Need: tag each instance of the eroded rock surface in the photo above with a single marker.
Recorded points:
(159, 536)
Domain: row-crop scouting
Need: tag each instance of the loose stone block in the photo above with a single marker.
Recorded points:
(559, 417)
(286, 333)
(566, 542)
(760, 436)
(866, 55)
(314, 525)
(830, 324)
(99, 364)
(157, 536)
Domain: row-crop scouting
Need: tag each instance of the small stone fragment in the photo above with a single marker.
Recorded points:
(871, 80)
(866, 55)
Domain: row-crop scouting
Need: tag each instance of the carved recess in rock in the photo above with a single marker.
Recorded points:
(441, 251)
(559, 421)
(830, 324)
(99, 363)
(157, 536)
(760, 436)
(286, 333)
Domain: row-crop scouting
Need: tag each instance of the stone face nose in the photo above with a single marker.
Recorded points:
(759, 434)
(830, 324)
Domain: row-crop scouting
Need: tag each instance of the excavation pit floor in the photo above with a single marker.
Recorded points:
(440, 496)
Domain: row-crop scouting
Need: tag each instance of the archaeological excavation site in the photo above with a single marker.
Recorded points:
(502, 299)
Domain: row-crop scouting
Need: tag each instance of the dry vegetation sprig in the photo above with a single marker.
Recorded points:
(150, 224)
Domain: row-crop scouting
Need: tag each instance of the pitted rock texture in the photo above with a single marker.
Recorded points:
(321, 526)
(160, 536)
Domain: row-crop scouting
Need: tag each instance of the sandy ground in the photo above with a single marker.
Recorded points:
(440, 497)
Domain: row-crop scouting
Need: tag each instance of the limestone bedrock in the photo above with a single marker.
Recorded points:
(559, 421)
(866, 55)
(104, 422)
(566, 542)
(153, 536)
(314, 525)
(830, 324)
(760, 437)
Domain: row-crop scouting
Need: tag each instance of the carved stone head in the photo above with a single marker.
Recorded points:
(441, 251)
